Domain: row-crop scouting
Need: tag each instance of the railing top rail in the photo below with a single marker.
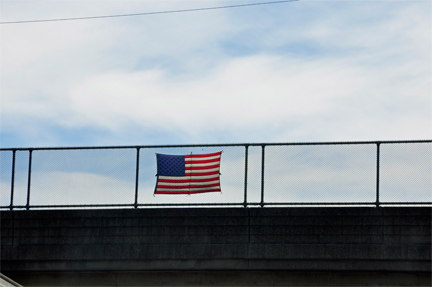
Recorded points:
(239, 204)
(218, 145)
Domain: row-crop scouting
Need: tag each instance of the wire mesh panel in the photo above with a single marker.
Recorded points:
(231, 176)
(250, 174)
(5, 177)
(320, 173)
(20, 177)
(406, 172)
(71, 177)
(254, 174)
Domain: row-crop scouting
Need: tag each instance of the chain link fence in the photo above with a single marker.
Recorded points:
(257, 174)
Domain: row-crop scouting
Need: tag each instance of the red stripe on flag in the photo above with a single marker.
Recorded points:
(202, 155)
(187, 180)
(188, 186)
(188, 192)
(202, 173)
(202, 161)
(202, 167)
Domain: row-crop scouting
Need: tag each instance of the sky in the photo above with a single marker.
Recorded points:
(290, 72)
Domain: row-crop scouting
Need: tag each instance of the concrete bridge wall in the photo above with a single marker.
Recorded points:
(284, 241)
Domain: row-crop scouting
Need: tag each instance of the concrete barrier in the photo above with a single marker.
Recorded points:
(285, 241)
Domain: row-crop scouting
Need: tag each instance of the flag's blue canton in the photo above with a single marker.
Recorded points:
(171, 165)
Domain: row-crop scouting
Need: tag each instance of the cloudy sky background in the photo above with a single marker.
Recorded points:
(300, 71)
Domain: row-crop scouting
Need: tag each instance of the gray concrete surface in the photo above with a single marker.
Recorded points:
(323, 242)
(223, 278)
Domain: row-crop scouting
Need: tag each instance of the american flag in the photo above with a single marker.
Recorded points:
(187, 174)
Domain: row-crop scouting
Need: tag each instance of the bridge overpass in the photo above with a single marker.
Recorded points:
(218, 246)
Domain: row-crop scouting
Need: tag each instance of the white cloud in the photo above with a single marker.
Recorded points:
(314, 71)
(242, 92)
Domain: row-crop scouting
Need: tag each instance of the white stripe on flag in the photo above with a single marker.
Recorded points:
(187, 177)
(202, 158)
(202, 164)
(188, 183)
(201, 170)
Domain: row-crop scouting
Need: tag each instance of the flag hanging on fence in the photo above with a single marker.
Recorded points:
(187, 174)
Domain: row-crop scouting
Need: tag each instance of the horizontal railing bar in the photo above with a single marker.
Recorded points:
(71, 205)
(117, 205)
(319, 203)
(344, 203)
(405, 203)
(217, 204)
(190, 204)
(218, 145)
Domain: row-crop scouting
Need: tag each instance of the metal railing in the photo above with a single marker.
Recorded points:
(272, 176)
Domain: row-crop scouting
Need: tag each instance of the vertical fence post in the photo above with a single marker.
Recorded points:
(29, 179)
(377, 203)
(246, 175)
(12, 179)
(137, 177)
(262, 175)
